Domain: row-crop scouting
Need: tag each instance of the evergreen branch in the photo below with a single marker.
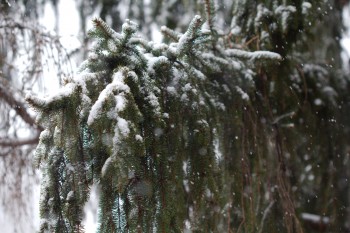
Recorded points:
(153, 108)
(129, 28)
(101, 26)
(257, 55)
(187, 40)
(141, 41)
(170, 33)
(59, 100)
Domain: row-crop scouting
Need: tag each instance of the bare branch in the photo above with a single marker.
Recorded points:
(14, 142)
(13, 99)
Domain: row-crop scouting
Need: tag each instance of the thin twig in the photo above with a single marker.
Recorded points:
(266, 212)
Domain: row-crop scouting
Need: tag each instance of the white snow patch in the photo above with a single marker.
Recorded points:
(138, 138)
(315, 218)
(116, 85)
(70, 195)
(153, 100)
(186, 185)
(216, 143)
(120, 99)
(306, 7)
(123, 126)
(253, 55)
(106, 166)
(285, 12)
(153, 60)
(171, 90)
(243, 94)
(187, 87)
(91, 210)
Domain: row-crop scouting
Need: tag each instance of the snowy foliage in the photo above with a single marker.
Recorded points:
(177, 133)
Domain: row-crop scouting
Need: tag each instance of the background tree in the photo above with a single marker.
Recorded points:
(26, 51)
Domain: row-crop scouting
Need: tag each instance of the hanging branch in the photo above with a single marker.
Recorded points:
(12, 98)
(14, 142)
(123, 121)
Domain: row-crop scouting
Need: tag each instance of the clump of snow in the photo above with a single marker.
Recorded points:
(120, 102)
(184, 98)
(70, 195)
(106, 166)
(117, 85)
(62, 93)
(44, 135)
(257, 55)
(186, 185)
(138, 138)
(153, 101)
(262, 12)
(315, 218)
(123, 126)
(306, 6)
(153, 61)
(171, 90)
(280, 9)
(285, 13)
(187, 87)
(243, 94)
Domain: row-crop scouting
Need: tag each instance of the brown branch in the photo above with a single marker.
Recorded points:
(14, 142)
(12, 99)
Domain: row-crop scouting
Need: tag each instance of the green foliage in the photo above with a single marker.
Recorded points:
(195, 134)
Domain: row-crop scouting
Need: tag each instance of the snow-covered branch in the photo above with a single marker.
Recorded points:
(257, 55)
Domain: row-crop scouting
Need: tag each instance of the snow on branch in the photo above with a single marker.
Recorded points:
(60, 99)
(187, 39)
(315, 218)
(102, 27)
(170, 33)
(128, 29)
(134, 96)
(257, 55)
(117, 86)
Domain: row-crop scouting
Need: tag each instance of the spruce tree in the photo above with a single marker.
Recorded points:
(208, 131)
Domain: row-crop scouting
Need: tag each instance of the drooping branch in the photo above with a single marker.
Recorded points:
(13, 99)
(14, 142)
